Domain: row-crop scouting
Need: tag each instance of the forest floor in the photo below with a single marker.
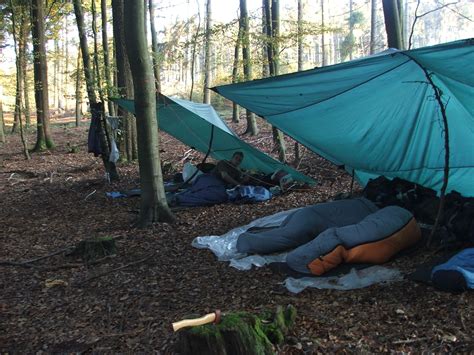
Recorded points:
(58, 198)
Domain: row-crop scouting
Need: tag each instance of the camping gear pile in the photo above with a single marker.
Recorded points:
(457, 223)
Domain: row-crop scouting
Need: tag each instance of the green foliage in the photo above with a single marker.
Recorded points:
(347, 45)
(356, 18)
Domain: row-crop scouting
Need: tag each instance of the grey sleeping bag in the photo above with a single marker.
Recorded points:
(374, 227)
(304, 225)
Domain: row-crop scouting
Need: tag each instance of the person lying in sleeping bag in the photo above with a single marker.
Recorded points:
(210, 189)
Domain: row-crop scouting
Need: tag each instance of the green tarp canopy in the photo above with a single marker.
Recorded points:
(378, 115)
(194, 124)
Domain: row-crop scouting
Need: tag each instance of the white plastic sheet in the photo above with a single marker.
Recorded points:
(353, 280)
(224, 247)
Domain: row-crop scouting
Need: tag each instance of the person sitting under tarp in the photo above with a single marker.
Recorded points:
(210, 189)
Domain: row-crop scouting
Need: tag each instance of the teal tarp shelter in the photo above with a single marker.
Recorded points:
(195, 124)
(378, 115)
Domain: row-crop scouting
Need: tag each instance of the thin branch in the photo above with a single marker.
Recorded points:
(117, 269)
(422, 15)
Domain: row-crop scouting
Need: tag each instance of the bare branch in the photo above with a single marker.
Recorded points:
(424, 14)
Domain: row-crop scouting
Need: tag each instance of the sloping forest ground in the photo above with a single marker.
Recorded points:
(58, 198)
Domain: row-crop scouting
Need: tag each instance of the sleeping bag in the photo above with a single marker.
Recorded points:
(303, 225)
(373, 239)
(206, 190)
(457, 274)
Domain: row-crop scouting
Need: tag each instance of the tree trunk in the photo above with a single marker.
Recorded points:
(275, 13)
(110, 167)
(24, 28)
(88, 73)
(373, 24)
(56, 76)
(252, 127)
(78, 88)
(235, 72)
(207, 56)
(96, 53)
(265, 35)
(124, 81)
(392, 23)
(105, 46)
(153, 207)
(66, 65)
(18, 42)
(2, 123)
(300, 63)
(269, 36)
(323, 44)
(193, 52)
(43, 139)
(154, 48)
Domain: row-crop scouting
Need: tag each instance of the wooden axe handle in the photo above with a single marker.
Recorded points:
(208, 318)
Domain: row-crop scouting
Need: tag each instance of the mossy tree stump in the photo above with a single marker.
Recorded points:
(239, 333)
(95, 248)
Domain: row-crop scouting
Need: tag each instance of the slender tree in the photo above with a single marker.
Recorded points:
(95, 56)
(17, 42)
(154, 47)
(105, 48)
(373, 24)
(194, 50)
(153, 206)
(275, 46)
(393, 24)
(128, 143)
(2, 122)
(110, 167)
(300, 62)
(265, 36)
(25, 29)
(323, 37)
(43, 138)
(88, 73)
(252, 127)
(207, 55)
(235, 74)
(78, 88)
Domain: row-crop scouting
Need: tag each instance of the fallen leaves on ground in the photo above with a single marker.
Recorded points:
(57, 199)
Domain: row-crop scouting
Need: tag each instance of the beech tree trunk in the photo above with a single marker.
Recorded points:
(373, 24)
(43, 138)
(110, 167)
(2, 123)
(95, 57)
(78, 89)
(323, 39)
(264, 42)
(105, 47)
(88, 73)
(275, 46)
(393, 24)
(300, 63)
(153, 207)
(194, 50)
(24, 28)
(154, 47)
(124, 83)
(207, 56)
(235, 72)
(252, 127)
